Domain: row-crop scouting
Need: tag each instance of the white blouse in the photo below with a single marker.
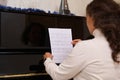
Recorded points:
(89, 60)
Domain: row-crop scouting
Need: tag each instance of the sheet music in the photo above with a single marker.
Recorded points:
(60, 40)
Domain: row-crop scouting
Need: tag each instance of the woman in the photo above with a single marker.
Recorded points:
(92, 59)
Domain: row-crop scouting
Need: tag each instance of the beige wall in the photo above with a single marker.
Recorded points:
(118, 1)
(3, 2)
(76, 7)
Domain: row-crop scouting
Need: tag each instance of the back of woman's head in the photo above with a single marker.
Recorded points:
(106, 17)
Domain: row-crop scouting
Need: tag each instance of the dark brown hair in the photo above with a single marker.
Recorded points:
(106, 16)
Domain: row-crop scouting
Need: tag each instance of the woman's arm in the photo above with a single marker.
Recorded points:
(69, 68)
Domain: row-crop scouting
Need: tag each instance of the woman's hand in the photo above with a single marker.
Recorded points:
(47, 55)
(75, 41)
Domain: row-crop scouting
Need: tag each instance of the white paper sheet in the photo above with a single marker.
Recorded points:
(60, 40)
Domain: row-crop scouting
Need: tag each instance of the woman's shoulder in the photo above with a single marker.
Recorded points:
(97, 40)
(86, 43)
(91, 45)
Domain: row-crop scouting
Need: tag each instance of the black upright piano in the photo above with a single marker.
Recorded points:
(20, 57)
